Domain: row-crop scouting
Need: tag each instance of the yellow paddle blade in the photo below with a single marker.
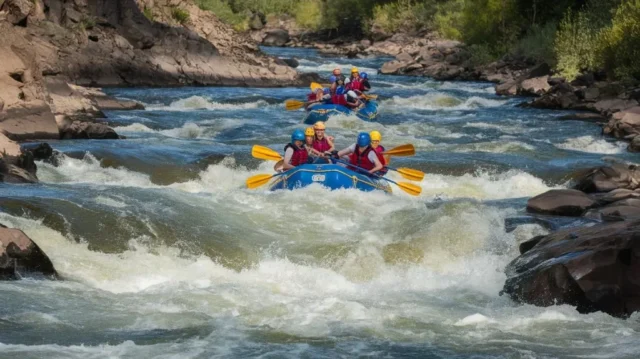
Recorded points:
(258, 180)
(411, 174)
(410, 188)
(265, 153)
(401, 151)
(291, 105)
(371, 97)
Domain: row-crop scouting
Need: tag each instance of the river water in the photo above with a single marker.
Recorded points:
(165, 253)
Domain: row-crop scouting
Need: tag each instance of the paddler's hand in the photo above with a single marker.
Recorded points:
(334, 154)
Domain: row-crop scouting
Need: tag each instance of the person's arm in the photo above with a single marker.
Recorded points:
(313, 152)
(330, 141)
(374, 158)
(347, 151)
(287, 159)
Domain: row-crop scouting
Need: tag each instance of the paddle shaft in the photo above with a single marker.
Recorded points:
(362, 170)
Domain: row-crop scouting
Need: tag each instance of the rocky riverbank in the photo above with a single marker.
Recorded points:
(592, 267)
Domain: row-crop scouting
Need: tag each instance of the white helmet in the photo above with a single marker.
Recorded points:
(347, 80)
(352, 94)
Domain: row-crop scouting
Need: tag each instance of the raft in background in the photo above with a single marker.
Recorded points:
(329, 175)
(322, 112)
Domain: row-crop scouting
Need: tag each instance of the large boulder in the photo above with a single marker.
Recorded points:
(18, 10)
(393, 67)
(593, 268)
(278, 37)
(28, 121)
(88, 130)
(609, 178)
(20, 256)
(624, 123)
(534, 86)
(560, 202)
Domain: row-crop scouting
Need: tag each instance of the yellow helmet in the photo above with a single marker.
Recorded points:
(354, 69)
(375, 136)
(319, 126)
(315, 87)
(309, 131)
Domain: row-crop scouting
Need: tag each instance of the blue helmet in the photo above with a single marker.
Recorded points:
(326, 91)
(364, 75)
(297, 135)
(340, 91)
(364, 139)
(332, 79)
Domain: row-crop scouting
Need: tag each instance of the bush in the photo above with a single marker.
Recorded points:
(448, 19)
(224, 12)
(148, 13)
(575, 45)
(180, 15)
(495, 23)
(480, 54)
(266, 6)
(308, 14)
(407, 15)
(537, 44)
(619, 44)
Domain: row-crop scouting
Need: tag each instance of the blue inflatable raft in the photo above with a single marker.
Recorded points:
(329, 175)
(322, 112)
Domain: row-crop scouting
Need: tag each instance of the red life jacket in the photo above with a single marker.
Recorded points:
(300, 155)
(321, 145)
(356, 85)
(311, 97)
(339, 100)
(381, 158)
(362, 159)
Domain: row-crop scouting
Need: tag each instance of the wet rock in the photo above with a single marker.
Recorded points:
(509, 88)
(278, 37)
(527, 245)
(624, 123)
(615, 195)
(553, 81)
(584, 80)
(392, 67)
(560, 202)
(584, 116)
(107, 103)
(614, 105)
(588, 93)
(593, 268)
(87, 130)
(609, 178)
(291, 62)
(11, 173)
(634, 146)
(20, 256)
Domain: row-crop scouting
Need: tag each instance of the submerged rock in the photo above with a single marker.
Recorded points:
(87, 130)
(560, 202)
(20, 256)
(593, 268)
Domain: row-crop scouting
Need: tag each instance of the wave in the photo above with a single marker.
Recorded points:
(439, 101)
(203, 103)
(310, 66)
(593, 145)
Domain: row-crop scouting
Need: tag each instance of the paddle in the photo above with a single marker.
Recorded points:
(260, 180)
(401, 151)
(409, 173)
(370, 97)
(265, 153)
(292, 105)
(409, 188)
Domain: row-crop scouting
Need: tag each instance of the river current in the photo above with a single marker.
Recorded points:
(166, 254)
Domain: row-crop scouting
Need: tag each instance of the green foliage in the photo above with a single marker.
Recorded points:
(266, 6)
(448, 19)
(224, 12)
(148, 13)
(538, 43)
(308, 14)
(404, 15)
(575, 45)
(495, 23)
(619, 44)
(180, 15)
(480, 54)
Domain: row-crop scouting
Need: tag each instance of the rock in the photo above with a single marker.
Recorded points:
(365, 43)
(392, 67)
(624, 123)
(8, 147)
(405, 57)
(542, 70)
(107, 103)
(584, 80)
(584, 116)
(593, 268)
(616, 195)
(85, 130)
(20, 256)
(18, 10)
(292, 62)
(614, 105)
(608, 178)
(509, 88)
(553, 81)
(29, 121)
(634, 146)
(633, 95)
(278, 37)
(534, 86)
(527, 245)
(588, 93)
(257, 21)
(11, 173)
(560, 202)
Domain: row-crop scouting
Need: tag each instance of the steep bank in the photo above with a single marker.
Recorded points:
(51, 46)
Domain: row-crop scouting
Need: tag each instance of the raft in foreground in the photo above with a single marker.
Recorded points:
(322, 112)
(329, 175)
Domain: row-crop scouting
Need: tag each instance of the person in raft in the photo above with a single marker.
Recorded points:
(353, 100)
(376, 137)
(309, 139)
(295, 153)
(366, 86)
(315, 97)
(361, 154)
(321, 142)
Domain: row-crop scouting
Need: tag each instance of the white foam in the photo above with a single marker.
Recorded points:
(439, 101)
(474, 319)
(593, 145)
(309, 66)
(202, 103)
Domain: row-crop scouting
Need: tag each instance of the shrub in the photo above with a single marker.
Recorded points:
(619, 44)
(575, 45)
(407, 15)
(224, 12)
(448, 19)
(308, 14)
(537, 44)
(495, 23)
(148, 13)
(480, 54)
(180, 15)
